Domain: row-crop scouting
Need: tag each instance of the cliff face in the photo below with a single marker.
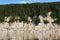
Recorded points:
(23, 31)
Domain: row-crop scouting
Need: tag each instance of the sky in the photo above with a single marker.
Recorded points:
(24, 1)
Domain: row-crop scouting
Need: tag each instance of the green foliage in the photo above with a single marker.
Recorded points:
(34, 9)
(36, 20)
(46, 22)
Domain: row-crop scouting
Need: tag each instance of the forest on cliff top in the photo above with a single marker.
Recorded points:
(33, 9)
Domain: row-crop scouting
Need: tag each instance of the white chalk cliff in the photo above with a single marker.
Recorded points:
(24, 31)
